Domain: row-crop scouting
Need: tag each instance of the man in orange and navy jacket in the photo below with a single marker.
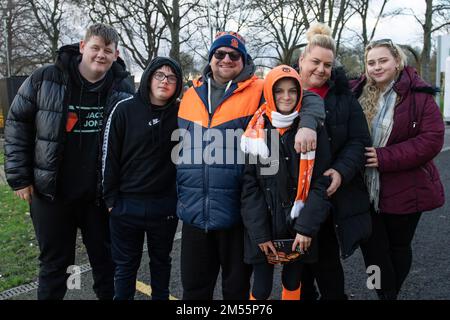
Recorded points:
(209, 174)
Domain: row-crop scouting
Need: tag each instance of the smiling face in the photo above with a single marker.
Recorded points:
(225, 69)
(285, 95)
(97, 58)
(315, 67)
(161, 91)
(381, 65)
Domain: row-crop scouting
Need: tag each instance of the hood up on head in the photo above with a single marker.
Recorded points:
(156, 63)
(278, 73)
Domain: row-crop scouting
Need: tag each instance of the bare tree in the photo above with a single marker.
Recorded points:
(225, 15)
(141, 26)
(178, 20)
(437, 17)
(48, 15)
(277, 27)
(362, 7)
(281, 24)
(21, 39)
(334, 13)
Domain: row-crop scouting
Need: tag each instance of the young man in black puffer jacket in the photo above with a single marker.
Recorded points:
(53, 138)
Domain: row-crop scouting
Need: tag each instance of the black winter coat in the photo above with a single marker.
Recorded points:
(349, 135)
(35, 126)
(267, 200)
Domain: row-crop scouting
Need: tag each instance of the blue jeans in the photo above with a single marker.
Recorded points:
(130, 221)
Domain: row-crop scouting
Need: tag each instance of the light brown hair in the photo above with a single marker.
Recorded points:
(106, 32)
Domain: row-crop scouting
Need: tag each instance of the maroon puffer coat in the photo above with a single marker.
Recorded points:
(409, 180)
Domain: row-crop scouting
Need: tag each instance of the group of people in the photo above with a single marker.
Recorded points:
(332, 164)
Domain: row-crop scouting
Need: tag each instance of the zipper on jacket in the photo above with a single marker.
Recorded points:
(338, 237)
(63, 135)
(206, 181)
(206, 169)
(205, 166)
(271, 211)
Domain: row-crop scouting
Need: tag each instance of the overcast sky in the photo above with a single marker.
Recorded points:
(402, 29)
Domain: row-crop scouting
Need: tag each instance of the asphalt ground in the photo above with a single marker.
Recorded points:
(429, 278)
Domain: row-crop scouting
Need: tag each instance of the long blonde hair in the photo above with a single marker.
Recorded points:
(371, 93)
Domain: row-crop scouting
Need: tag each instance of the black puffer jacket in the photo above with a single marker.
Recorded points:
(35, 126)
(349, 135)
(267, 199)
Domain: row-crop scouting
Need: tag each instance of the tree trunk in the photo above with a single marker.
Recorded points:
(175, 31)
(8, 41)
(425, 57)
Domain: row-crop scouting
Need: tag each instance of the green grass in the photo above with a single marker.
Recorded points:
(2, 158)
(18, 247)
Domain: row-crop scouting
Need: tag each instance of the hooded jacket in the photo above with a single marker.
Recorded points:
(137, 145)
(267, 199)
(35, 126)
(211, 166)
(409, 180)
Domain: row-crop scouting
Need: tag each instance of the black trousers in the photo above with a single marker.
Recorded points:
(327, 271)
(263, 278)
(203, 254)
(56, 227)
(389, 248)
(130, 221)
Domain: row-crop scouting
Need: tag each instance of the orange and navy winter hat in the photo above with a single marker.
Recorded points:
(229, 39)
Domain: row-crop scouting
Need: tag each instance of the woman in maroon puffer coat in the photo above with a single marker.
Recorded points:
(407, 133)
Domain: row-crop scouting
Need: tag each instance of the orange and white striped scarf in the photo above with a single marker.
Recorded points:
(253, 140)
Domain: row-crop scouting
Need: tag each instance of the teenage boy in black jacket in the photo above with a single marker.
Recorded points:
(139, 178)
(53, 145)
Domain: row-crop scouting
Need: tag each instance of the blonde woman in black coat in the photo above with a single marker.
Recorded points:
(349, 224)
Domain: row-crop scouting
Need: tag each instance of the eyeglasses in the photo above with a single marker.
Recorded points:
(172, 79)
(234, 56)
(381, 42)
